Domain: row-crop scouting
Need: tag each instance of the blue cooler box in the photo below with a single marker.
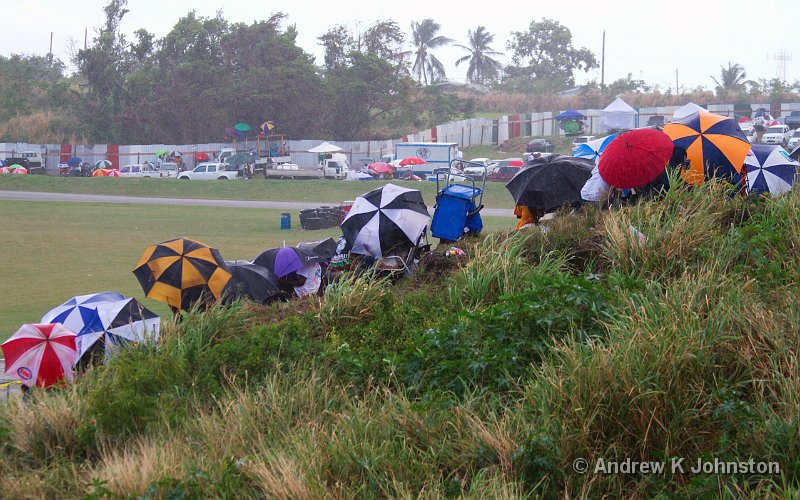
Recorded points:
(453, 206)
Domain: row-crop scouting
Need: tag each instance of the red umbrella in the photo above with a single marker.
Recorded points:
(380, 167)
(635, 158)
(516, 163)
(412, 160)
(40, 355)
(201, 156)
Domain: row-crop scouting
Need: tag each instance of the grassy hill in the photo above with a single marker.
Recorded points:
(500, 375)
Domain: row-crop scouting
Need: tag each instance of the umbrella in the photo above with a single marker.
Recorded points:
(412, 160)
(40, 355)
(74, 161)
(384, 218)
(325, 147)
(201, 156)
(242, 127)
(240, 159)
(594, 148)
(79, 314)
(287, 260)
(174, 154)
(570, 114)
(714, 144)
(102, 164)
(250, 280)
(795, 155)
(380, 167)
(770, 170)
(550, 182)
(5, 170)
(635, 158)
(516, 163)
(181, 272)
(19, 170)
(324, 248)
(101, 172)
(112, 172)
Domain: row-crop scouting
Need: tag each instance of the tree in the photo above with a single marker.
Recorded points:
(732, 80)
(427, 68)
(482, 67)
(544, 59)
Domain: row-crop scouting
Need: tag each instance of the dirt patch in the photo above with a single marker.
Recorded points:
(435, 266)
(279, 311)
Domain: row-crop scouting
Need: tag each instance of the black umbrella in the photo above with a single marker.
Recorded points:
(287, 260)
(383, 219)
(326, 248)
(250, 280)
(550, 182)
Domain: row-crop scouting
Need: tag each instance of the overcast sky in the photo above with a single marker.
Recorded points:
(650, 39)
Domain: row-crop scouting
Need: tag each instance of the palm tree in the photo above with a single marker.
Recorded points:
(732, 78)
(482, 67)
(425, 38)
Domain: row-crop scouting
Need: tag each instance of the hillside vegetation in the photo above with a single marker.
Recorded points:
(481, 377)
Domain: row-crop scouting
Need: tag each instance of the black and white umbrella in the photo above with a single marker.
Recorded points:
(383, 219)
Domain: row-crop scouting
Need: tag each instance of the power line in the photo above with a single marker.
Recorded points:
(781, 57)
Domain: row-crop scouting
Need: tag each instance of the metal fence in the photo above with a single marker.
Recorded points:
(466, 133)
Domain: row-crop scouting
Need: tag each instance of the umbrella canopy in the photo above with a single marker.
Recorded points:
(770, 170)
(181, 272)
(174, 154)
(594, 148)
(287, 260)
(101, 172)
(242, 127)
(40, 355)
(550, 182)
(19, 170)
(570, 114)
(102, 164)
(516, 163)
(383, 219)
(412, 160)
(380, 167)
(714, 144)
(112, 172)
(79, 314)
(240, 159)
(5, 170)
(250, 280)
(635, 158)
(74, 161)
(325, 147)
(201, 156)
(326, 248)
(161, 152)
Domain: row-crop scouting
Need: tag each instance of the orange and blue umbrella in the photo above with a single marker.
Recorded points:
(770, 170)
(714, 144)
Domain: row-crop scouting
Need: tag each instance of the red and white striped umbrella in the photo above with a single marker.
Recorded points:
(40, 354)
(112, 172)
(20, 170)
(5, 170)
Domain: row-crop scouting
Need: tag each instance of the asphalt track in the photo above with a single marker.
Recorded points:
(275, 205)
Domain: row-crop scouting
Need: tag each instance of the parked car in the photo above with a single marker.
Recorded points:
(169, 170)
(211, 171)
(776, 134)
(503, 174)
(794, 141)
(138, 170)
(583, 139)
(507, 162)
(526, 157)
(477, 171)
(749, 131)
(540, 145)
(792, 119)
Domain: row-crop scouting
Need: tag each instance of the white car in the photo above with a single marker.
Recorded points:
(478, 171)
(583, 139)
(749, 131)
(169, 170)
(794, 141)
(136, 170)
(210, 172)
(776, 134)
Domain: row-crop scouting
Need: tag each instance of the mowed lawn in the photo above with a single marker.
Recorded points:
(311, 191)
(53, 251)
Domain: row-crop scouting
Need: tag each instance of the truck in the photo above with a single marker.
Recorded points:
(33, 161)
(329, 168)
(437, 155)
(792, 120)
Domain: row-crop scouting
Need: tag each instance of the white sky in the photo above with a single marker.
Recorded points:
(650, 39)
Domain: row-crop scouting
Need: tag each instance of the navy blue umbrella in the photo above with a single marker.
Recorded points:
(74, 161)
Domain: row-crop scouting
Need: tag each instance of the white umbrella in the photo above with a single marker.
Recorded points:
(325, 147)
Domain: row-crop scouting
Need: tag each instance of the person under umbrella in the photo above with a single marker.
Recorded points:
(294, 265)
(385, 219)
(182, 272)
(714, 144)
(250, 280)
(40, 355)
(548, 183)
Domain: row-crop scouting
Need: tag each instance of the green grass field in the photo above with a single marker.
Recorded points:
(322, 191)
(53, 251)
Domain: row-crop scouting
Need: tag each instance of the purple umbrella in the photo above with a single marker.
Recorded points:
(283, 261)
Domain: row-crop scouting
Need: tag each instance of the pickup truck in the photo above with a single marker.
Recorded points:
(792, 120)
(36, 162)
(143, 170)
(329, 169)
(211, 171)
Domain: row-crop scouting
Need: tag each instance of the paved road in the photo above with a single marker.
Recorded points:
(96, 198)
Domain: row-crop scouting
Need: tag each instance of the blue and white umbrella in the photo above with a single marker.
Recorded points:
(770, 170)
(106, 316)
(593, 149)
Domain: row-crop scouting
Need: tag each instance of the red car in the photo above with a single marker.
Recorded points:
(503, 174)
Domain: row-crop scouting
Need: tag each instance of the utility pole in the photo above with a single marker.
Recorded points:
(603, 61)
(677, 89)
(50, 54)
(85, 38)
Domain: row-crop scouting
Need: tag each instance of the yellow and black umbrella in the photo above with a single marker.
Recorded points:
(714, 144)
(181, 272)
